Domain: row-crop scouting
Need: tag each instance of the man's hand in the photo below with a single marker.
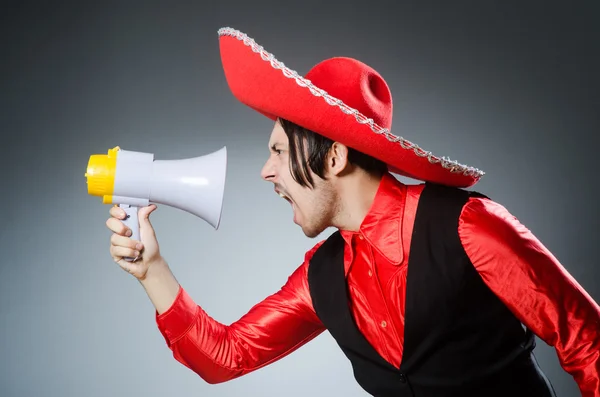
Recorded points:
(121, 245)
(149, 268)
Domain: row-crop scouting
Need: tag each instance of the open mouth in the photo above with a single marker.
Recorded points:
(289, 200)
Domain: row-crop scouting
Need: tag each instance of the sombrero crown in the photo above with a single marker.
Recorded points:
(340, 98)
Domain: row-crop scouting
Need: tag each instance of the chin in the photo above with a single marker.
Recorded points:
(312, 232)
(312, 226)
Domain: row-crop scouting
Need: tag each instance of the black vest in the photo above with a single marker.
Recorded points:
(459, 340)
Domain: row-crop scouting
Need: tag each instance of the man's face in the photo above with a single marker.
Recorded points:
(313, 208)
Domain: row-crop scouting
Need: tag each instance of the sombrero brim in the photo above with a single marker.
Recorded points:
(257, 79)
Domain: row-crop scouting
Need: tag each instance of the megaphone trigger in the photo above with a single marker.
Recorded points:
(131, 220)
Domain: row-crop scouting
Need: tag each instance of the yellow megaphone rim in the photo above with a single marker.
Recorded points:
(101, 174)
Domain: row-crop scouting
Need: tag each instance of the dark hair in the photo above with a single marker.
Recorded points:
(318, 148)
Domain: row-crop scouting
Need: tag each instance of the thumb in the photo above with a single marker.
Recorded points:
(144, 217)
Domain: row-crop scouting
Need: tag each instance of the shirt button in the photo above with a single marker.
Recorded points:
(383, 324)
(360, 237)
(402, 378)
(370, 273)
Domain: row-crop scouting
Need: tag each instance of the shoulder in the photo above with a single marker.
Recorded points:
(324, 247)
(486, 225)
(311, 253)
(301, 271)
(297, 282)
(483, 211)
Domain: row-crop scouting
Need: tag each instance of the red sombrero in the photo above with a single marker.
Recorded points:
(340, 98)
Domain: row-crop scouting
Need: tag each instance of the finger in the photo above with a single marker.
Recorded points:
(117, 212)
(116, 226)
(129, 267)
(118, 252)
(122, 241)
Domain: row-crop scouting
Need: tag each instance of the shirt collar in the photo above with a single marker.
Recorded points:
(382, 226)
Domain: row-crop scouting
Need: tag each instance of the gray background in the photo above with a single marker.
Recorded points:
(511, 88)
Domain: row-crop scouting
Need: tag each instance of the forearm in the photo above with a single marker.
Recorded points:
(161, 286)
(271, 329)
(219, 353)
(197, 341)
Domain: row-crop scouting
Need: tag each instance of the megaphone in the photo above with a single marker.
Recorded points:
(135, 179)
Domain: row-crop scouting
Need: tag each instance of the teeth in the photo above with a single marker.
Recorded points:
(283, 196)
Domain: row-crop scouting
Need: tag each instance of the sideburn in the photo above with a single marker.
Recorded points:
(301, 142)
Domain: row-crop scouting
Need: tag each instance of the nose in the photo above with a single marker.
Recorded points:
(268, 171)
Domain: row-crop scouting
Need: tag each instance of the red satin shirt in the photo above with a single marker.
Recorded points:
(511, 261)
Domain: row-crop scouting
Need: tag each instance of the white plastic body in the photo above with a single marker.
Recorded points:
(194, 185)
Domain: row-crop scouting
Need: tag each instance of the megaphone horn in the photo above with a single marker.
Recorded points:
(134, 179)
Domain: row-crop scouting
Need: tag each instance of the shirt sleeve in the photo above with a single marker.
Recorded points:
(535, 287)
(272, 329)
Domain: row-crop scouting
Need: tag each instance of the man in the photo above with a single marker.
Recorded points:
(429, 290)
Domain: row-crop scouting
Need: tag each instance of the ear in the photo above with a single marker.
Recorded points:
(337, 159)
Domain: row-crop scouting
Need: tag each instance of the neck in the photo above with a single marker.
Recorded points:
(355, 198)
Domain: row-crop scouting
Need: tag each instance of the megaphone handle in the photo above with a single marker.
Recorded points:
(131, 221)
